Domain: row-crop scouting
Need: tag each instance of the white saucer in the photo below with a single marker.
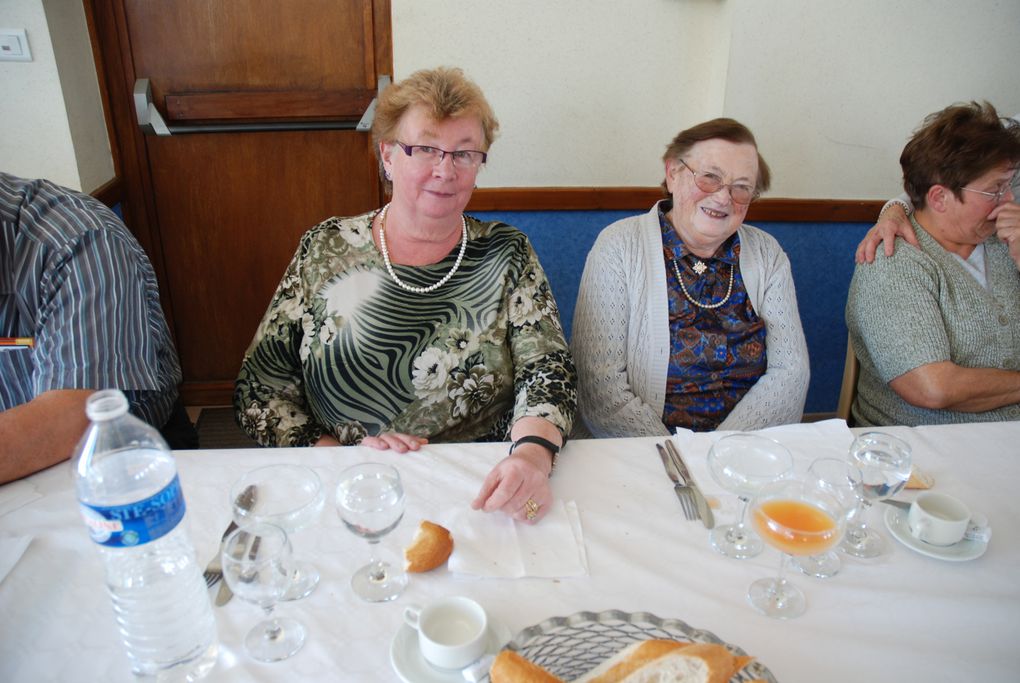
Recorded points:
(411, 666)
(896, 522)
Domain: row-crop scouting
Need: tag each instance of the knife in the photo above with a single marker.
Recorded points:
(699, 498)
(245, 501)
(673, 472)
(901, 504)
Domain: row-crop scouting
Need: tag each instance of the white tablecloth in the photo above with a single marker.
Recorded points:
(901, 617)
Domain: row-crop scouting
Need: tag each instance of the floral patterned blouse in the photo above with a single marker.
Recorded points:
(343, 350)
(716, 354)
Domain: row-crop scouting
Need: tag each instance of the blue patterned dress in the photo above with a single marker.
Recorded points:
(716, 354)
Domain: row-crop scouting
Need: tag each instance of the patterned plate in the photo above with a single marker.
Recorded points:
(569, 647)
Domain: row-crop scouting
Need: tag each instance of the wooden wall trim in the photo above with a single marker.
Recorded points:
(642, 198)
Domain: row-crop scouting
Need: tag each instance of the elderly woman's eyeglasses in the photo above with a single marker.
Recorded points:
(462, 158)
(711, 183)
(996, 196)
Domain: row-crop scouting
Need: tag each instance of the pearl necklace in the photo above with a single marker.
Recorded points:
(702, 269)
(389, 266)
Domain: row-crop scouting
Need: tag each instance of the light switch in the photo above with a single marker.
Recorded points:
(14, 45)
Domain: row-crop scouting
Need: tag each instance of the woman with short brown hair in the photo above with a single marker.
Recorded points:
(937, 329)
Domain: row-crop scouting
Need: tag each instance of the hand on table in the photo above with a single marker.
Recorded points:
(401, 443)
(517, 479)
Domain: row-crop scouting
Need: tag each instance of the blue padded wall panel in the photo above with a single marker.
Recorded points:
(821, 255)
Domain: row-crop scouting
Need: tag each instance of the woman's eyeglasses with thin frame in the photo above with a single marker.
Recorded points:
(427, 154)
(711, 183)
(996, 196)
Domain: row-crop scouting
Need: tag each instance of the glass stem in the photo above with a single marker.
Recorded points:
(858, 532)
(777, 593)
(376, 572)
(273, 629)
(737, 533)
(781, 579)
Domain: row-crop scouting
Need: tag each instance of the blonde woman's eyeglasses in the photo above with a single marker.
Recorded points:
(426, 154)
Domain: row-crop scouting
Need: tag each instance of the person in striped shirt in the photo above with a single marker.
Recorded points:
(79, 294)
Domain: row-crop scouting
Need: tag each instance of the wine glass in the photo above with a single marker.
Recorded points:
(289, 496)
(885, 462)
(742, 464)
(843, 480)
(256, 565)
(797, 517)
(370, 501)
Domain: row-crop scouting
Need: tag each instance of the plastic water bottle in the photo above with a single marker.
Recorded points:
(131, 499)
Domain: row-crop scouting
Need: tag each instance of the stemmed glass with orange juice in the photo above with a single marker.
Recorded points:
(797, 517)
(842, 479)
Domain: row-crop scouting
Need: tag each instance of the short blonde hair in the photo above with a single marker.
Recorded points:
(444, 92)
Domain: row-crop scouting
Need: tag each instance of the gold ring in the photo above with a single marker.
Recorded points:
(531, 508)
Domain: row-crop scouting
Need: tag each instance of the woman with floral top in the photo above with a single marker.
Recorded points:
(416, 323)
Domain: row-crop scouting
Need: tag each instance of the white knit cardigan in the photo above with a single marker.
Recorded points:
(621, 333)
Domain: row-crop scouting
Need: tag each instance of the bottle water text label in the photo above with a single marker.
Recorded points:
(123, 526)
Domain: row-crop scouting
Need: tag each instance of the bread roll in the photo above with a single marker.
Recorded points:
(510, 667)
(430, 548)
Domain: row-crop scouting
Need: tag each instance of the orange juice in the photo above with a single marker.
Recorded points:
(795, 527)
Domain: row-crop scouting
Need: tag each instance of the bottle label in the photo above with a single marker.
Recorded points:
(123, 526)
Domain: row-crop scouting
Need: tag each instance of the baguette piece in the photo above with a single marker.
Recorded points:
(430, 548)
(510, 667)
(662, 661)
(630, 659)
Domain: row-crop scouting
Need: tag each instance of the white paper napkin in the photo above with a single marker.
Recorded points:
(11, 550)
(17, 494)
(493, 545)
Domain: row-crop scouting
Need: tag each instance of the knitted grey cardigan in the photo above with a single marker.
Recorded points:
(621, 333)
(922, 306)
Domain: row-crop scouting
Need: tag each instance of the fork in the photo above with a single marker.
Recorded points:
(680, 485)
(214, 570)
(686, 497)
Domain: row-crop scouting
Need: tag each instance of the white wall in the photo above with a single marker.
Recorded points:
(51, 115)
(589, 92)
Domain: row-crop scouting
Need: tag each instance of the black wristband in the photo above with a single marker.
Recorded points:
(544, 443)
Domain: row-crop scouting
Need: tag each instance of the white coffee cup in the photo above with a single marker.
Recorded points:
(452, 632)
(938, 519)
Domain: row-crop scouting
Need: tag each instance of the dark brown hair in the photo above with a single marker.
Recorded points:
(956, 145)
(444, 92)
(717, 129)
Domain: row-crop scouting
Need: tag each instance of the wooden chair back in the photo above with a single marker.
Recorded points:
(848, 389)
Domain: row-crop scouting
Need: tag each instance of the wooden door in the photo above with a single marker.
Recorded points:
(221, 211)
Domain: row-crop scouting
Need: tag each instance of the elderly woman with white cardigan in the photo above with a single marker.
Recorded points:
(685, 316)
